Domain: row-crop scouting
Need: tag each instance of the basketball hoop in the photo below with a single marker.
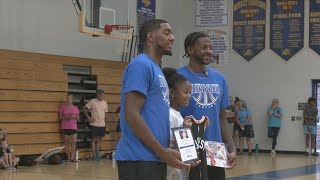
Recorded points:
(122, 33)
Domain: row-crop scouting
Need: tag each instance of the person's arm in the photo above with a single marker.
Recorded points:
(133, 103)
(248, 120)
(61, 113)
(238, 122)
(270, 111)
(85, 110)
(227, 139)
(279, 113)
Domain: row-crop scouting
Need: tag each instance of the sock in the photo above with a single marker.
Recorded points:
(307, 149)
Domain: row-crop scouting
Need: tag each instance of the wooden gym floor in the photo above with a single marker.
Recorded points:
(256, 167)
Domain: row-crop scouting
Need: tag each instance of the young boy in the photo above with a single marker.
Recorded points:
(6, 156)
(310, 115)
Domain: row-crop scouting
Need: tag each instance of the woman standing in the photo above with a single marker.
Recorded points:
(274, 123)
(69, 115)
(244, 120)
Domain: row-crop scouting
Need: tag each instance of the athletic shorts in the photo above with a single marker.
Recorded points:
(69, 132)
(310, 129)
(97, 131)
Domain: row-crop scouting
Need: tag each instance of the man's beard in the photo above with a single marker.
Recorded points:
(167, 52)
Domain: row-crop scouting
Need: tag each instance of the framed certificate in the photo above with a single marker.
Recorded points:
(185, 143)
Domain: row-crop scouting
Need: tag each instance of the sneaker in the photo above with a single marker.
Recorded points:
(306, 154)
(273, 152)
(315, 154)
(249, 153)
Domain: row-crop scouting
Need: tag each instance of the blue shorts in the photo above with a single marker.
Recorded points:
(310, 129)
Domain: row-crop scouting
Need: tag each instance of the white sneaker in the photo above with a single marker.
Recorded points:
(273, 151)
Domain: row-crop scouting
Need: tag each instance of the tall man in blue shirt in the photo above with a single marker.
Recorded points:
(143, 150)
(209, 97)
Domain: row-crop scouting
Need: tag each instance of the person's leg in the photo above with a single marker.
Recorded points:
(138, 170)
(98, 147)
(93, 146)
(313, 143)
(127, 170)
(67, 145)
(1, 162)
(249, 144)
(241, 141)
(275, 137)
(216, 173)
(6, 160)
(73, 142)
(10, 159)
(194, 173)
(306, 132)
(156, 170)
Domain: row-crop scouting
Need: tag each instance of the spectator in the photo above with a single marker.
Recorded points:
(230, 114)
(69, 115)
(8, 161)
(310, 115)
(244, 120)
(97, 121)
(236, 128)
(118, 127)
(274, 122)
(143, 151)
(4, 136)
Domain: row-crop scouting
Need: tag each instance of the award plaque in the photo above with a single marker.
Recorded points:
(185, 143)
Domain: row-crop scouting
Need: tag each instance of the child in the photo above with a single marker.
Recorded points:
(179, 94)
(6, 156)
(310, 114)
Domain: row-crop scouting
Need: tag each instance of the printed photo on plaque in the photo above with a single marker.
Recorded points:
(185, 143)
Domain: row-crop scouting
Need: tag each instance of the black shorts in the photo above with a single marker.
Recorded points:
(97, 131)
(247, 132)
(216, 173)
(141, 170)
(69, 131)
(1, 152)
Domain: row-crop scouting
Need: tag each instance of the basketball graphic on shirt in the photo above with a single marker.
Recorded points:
(205, 95)
(164, 89)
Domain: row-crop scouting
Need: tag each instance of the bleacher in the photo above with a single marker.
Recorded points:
(32, 87)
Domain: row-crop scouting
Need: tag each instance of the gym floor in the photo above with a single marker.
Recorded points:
(256, 167)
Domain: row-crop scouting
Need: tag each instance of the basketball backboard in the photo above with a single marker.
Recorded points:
(95, 14)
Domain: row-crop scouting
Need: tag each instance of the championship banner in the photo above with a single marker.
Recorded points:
(211, 13)
(146, 10)
(314, 26)
(249, 27)
(219, 47)
(287, 27)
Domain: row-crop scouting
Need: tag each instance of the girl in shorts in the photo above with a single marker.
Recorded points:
(69, 115)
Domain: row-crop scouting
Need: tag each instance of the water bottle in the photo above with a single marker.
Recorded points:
(113, 152)
(97, 156)
(77, 155)
(257, 148)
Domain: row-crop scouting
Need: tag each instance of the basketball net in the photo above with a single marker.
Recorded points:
(122, 35)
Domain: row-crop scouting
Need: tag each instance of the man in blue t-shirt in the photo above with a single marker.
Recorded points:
(274, 122)
(209, 97)
(143, 150)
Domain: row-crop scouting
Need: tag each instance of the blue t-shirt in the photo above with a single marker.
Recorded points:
(243, 114)
(145, 76)
(273, 120)
(209, 95)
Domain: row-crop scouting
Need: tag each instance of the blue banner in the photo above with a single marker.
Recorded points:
(287, 27)
(249, 27)
(146, 10)
(314, 26)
